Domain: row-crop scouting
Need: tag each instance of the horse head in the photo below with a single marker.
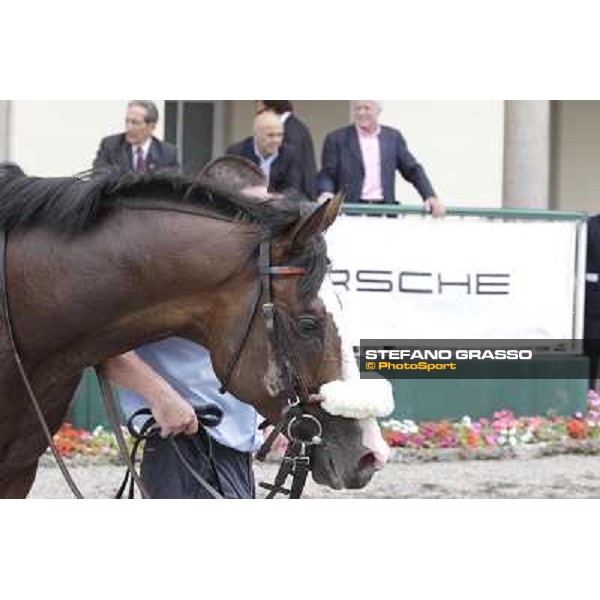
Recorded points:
(295, 351)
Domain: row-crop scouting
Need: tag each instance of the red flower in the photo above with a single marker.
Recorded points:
(64, 447)
(444, 429)
(577, 429)
(472, 439)
(394, 438)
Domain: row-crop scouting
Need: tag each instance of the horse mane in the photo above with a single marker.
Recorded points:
(72, 205)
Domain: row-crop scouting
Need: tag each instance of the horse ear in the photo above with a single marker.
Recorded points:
(319, 221)
(334, 209)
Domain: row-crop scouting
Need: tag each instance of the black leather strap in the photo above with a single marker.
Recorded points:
(247, 325)
(286, 416)
(295, 463)
(209, 416)
(113, 416)
(19, 363)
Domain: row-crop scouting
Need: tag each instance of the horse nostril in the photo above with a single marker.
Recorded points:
(368, 461)
(371, 460)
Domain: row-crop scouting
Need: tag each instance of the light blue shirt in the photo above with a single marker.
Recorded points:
(265, 162)
(188, 369)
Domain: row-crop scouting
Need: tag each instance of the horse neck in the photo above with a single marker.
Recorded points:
(138, 276)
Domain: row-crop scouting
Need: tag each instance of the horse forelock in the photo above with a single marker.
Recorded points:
(74, 204)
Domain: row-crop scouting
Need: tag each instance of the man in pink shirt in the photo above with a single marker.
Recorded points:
(363, 158)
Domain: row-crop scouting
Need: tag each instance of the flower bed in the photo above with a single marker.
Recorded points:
(71, 442)
(502, 430)
(486, 437)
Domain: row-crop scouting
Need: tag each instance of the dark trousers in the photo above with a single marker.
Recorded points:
(166, 477)
(591, 345)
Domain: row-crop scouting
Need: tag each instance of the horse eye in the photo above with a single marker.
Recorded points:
(308, 323)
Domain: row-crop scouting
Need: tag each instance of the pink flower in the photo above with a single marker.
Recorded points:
(535, 422)
(418, 440)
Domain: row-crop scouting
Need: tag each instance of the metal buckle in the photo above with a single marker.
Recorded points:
(315, 440)
(295, 401)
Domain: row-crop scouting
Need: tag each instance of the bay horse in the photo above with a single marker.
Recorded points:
(96, 268)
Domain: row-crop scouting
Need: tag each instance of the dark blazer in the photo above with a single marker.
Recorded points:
(592, 287)
(297, 135)
(591, 321)
(343, 168)
(115, 151)
(285, 172)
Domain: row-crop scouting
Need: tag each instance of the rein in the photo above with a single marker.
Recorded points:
(34, 403)
(209, 416)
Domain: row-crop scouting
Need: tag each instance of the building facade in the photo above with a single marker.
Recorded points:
(528, 154)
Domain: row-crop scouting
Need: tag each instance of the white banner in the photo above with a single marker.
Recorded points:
(415, 277)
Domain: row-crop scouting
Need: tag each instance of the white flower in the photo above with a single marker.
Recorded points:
(408, 426)
(501, 440)
(527, 437)
(394, 425)
(466, 421)
(512, 440)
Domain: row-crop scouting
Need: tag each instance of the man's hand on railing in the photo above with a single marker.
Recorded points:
(435, 206)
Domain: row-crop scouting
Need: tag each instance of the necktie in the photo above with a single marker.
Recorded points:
(140, 163)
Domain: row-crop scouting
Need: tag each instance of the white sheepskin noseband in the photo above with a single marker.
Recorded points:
(358, 398)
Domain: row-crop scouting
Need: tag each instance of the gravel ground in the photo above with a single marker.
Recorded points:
(563, 476)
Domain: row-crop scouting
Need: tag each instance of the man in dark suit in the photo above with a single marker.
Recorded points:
(591, 322)
(362, 159)
(267, 150)
(296, 135)
(137, 149)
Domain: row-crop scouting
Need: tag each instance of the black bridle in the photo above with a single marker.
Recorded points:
(294, 418)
